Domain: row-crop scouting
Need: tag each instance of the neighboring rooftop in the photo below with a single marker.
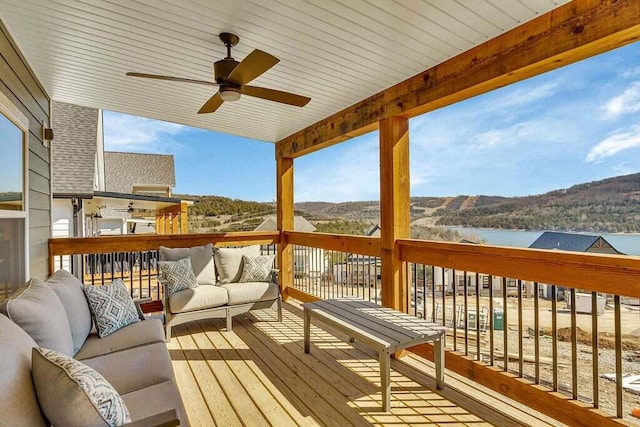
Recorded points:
(299, 224)
(124, 171)
(73, 150)
(574, 242)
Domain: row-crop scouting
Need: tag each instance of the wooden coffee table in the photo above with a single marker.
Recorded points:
(381, 328)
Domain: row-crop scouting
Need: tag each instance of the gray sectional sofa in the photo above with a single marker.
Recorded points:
(55, 315)
(222, 290)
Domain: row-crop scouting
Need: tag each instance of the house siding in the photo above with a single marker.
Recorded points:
(21, 87)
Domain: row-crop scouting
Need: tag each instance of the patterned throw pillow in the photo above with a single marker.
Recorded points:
(72, 394)
(179, 274)
(256, 268)
(112, 307)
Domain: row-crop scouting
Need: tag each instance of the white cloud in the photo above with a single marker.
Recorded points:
(123, 132)
(526, 94)
(631, 73)
(615, 143)
(627, 102)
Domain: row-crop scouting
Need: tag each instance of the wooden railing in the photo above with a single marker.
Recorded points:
(491, 299)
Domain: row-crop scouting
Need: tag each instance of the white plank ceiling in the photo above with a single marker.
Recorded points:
(337, 52)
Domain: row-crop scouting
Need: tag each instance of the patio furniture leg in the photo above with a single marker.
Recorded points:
(280, 309)
(385, 378)
(229, 321)
(438, 347)
(307, 331)
(167, 334)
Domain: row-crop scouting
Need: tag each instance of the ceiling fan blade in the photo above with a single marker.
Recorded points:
(173, 79)
(276, 95)
(212, 104)
(256, 63)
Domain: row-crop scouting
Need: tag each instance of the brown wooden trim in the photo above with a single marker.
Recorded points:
(575, 31)
(302, 296)
(611, 274)
(553, 404)
(284, 220)
(133, 243)
(395, 215)
(336, 242)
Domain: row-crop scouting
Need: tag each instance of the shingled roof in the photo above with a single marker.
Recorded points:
(299, 224)
(73, 150)
(124, 170)
(573, 242)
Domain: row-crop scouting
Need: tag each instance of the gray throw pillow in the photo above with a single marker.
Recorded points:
(73, 394)
(69, 290)
(229, 262)
(178, 274)
(256, 268)
(112, 307)
(38, 310)
(201, 261)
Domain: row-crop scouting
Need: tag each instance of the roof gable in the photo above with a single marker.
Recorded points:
(123, 171)
(573, 242)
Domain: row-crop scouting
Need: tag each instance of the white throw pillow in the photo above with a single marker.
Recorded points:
(229, 262)
(72, 394)
(179, 275)
(256, 268)
(112, 307)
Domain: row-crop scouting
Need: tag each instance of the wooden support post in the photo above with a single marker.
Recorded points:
(175, 223)
(184, 218)
(160, 224)
(394, 208)
(284, 172)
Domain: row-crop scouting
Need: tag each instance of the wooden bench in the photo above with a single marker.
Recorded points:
(384, 329)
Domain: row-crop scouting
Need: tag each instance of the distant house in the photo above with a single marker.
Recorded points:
(97, 192)
(572, 242)
(299, 224)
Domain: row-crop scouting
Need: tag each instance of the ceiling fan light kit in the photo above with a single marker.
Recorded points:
(232, 78)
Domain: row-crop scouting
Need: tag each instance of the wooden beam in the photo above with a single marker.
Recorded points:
(575, 31)
(184, 218)
(553, 404)
(160, 224)
(284, 211)
(175, 223)
(395, 215)
(360, 245)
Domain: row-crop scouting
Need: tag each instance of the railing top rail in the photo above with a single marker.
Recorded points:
(612, 274)
(130, 243)
(362, 245)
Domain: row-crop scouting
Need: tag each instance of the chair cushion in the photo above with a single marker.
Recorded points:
(112, 307)
(134, 368)
(178, 274)
(69, 290)
(36, 308)
(134, 335)
(18, 402)
(154, 400)
(229, 261)
(201, 261)
(197, 299)
(240, 293)
(72, 394)
(256, 268)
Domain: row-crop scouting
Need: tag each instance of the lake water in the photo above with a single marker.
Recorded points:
(625, 243)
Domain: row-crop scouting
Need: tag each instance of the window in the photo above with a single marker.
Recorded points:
(13, 200)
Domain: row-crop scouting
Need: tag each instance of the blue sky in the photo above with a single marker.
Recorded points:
(576, 124)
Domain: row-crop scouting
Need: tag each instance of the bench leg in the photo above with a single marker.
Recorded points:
(280, 309)
(229, 321)
(385, 378)
(307, 331)
(438, 347)
(167, 332)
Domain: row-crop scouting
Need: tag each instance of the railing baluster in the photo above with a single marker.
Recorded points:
(520, 337)
(618, 345)
(491, 328)
(505, 325)
(536, 326)
(433, 293)
(594, 349)
(478, 316)
(454, 317)
(466, 317)
(554, 335)
(574, 346)
(444, 297)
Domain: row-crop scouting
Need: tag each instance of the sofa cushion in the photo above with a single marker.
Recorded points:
(112, 307)
(134, 368)
(72, 394)
(36, 308)
(178, 274)
(229, 261)
(134, 335)
(240, 293)
(201, 261)
(256, 268)
(18, 402)
(197, 299)
(154, 400)
(69, 290)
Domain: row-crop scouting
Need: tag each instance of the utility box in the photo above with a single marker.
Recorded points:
(498, 319)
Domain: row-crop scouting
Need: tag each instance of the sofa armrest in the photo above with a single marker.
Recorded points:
(163, 419)
(274, 275)
(165, 292)
(139, 301)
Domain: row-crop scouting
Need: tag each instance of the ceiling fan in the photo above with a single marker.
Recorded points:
(232, 78)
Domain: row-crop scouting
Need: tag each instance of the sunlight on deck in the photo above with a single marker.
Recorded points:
(259, 375)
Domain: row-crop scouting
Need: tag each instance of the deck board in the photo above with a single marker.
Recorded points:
(259, 375)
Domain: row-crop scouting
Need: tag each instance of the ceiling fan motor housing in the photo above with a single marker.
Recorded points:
(222, 69)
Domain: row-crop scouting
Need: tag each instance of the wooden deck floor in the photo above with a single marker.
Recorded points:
(258, 375)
